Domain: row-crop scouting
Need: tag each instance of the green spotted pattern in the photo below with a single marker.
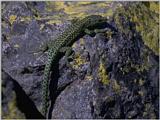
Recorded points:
(65, 39)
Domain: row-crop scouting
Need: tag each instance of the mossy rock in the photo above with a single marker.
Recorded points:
(146, 19)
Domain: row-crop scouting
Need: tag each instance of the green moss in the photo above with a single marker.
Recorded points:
(103, 74)
(146, 19)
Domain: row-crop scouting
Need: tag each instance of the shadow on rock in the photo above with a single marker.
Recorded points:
(24, 103)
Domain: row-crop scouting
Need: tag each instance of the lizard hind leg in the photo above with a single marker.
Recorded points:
(68, 54)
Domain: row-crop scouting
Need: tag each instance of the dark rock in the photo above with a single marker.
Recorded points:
(75, 101)
(110, 75)
(131, 93)
(15, 102)
(19, 28)
(18, 9)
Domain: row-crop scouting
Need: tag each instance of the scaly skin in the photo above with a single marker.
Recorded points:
(65, 39)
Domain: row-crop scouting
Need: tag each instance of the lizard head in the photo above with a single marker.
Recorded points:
(94, 20)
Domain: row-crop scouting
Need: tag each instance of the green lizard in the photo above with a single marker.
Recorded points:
(65, 39)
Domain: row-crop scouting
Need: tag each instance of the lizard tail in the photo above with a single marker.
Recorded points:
(45, 83)
(45, 90)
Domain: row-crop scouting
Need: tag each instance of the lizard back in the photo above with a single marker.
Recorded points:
(64, 39)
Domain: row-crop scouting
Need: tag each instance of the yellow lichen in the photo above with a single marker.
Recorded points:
(116, 86)
(74, 45)
(42, 26)
(53, 21)
(108, 34)
(86, 3)
(141, 82)
(141, 93)
(16, 46)
(89, 77)
(135, 80)
(149, 109)
(26, 19)
(11, 107)
(103, 74)
(12, 19)
(154, 6)
(78, 61)
(145, 65)
(146, 20)
(13, 112)
(108, 13)
(56, 6)
(79, 9)
(81, 41)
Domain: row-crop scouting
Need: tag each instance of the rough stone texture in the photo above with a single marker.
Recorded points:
(15, 102)
(80, 94)
(110, 75)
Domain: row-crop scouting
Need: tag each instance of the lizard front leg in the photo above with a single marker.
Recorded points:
(89, 32)
(93, 32)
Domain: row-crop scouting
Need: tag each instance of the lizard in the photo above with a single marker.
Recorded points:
(64, 40)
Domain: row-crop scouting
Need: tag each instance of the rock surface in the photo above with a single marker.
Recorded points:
(113, 74)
